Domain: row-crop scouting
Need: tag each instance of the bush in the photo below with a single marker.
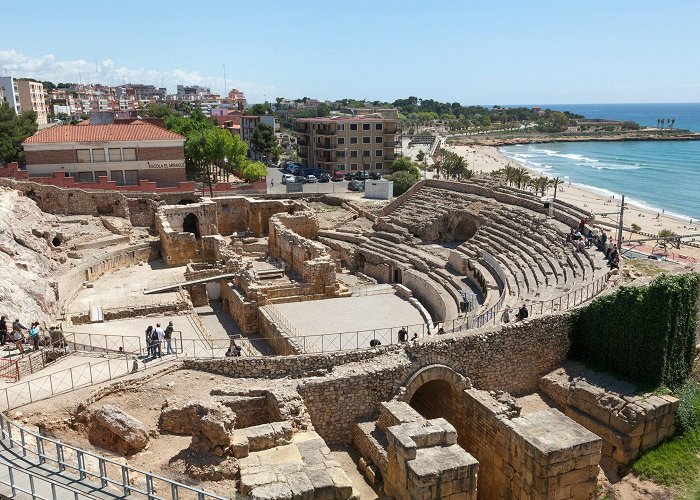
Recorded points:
(252, 170)
(688, 414)
(402, 182)
(643, 334)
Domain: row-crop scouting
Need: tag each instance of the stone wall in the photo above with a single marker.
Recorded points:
(178, 246)
(276, 335)
(510, 358)
(309, 259)
(629, 422)
(428, 292)
(240, 213)
(539, 455)
(71, 281)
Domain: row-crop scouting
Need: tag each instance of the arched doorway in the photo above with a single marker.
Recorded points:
(191, 225)
(438, 391)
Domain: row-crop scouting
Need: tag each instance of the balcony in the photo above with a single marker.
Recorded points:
(325, 145)
(325, 132)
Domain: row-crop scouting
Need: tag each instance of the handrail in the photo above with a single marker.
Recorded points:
(126, 476)
(12, 482)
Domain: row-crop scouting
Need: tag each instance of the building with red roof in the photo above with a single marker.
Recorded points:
(125, 153)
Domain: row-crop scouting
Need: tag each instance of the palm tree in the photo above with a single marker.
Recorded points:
(663, 120)
(555, 184)
(673, 122)
(521, 177)
(658, 123)
(459, 167)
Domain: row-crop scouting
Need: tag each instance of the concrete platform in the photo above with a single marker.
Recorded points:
(374, 316)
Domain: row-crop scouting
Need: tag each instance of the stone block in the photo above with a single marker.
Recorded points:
(343, 485)
(251, 481)
(272, 491)
(283, 432)
(324, 487)
(301, 486)
(239, 445)
(260, 437)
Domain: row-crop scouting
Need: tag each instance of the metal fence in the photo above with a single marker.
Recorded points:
(35, 486)
(9, 369)
(110, 476)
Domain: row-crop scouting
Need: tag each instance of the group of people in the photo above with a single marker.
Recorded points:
(155, 338)
(17, 336)
(584, 237)
(521, 315)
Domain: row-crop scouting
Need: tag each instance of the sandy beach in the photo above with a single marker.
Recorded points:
(486, 159)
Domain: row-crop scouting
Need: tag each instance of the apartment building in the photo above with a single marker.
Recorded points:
(124, 153)
(348, 143)
(25, 95)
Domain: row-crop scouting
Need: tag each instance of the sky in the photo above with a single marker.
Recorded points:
(504, 52)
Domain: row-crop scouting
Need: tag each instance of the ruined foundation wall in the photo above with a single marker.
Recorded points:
(241, 213)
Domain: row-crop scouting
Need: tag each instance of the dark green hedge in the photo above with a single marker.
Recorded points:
(643, 334)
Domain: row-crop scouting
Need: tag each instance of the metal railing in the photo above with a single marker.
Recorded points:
(9, 369)
(26, 482)
(113, 477)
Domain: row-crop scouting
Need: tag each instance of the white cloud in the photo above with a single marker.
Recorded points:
(48, 67)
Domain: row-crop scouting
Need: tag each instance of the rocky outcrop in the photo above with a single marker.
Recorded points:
(26, 260)
(115, 430)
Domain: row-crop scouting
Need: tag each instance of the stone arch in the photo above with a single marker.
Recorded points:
(438, 391)
(432, 373)
(191, 225)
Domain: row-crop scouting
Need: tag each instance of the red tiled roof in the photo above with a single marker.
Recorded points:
(136, 131)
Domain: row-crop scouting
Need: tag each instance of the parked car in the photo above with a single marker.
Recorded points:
(337, 176)
(361, 176)
(311, 179)
(356, 185)
(349, 176)
(287, 178)
(375, 176)
(325, 177)
(300, 178)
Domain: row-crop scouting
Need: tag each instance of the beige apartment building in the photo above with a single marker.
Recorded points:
(25, 95)
(348, 143)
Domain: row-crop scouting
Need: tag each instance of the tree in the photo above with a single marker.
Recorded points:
(634, 228)
(405, 165)
(252, 170)
(673, 122)
(264, 142)
(403, 181)
(14, 130)
(225, 151)
(323, 109)
(259, 110)
(555, 184)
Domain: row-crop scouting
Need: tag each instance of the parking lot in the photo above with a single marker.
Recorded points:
(274, 185)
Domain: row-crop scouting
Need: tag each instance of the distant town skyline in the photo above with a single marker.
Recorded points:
(512, 52)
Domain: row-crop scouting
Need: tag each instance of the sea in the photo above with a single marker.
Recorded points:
(651, 174)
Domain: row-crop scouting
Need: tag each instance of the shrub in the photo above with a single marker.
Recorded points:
(688, 414)
(644, 334)
(402, 182)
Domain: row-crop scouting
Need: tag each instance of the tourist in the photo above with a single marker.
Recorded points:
(158, 336)
(374, 343)
(581, 245)
(403, 335)
(505, 317)
(34, 335)
(3, 330)
(233, 350)
(168, 339)
(522, 313)
(582, 224)
(589, 239)
(17, 336)
(149, 340)
(414, 338)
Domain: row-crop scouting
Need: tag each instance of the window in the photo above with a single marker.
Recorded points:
(353, 126)
(378, 126)
(129, 154)
(353, 140)
(365, 126)
(353, 166)
(115, 154)
(84, 177)
(340, 154)
(117, 176)
(100, 173)
(366, 153)
(353, 154)
(378, 152)
(378, 139)
(131, 177)
(366, 140)
(341, 127)
(378, 165)
(84, 156)
(98, 155)
(341, 140)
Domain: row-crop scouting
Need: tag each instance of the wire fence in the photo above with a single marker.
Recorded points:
(112, 477)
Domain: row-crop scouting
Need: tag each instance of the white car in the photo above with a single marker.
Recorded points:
(287, 178)
(311, 179)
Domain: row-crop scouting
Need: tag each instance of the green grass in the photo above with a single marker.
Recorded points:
(676, 462)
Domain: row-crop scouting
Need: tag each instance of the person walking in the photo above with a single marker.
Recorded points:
(3, 330)
(158, 336)
(168, 339)
(17, 336)
(34, 332)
